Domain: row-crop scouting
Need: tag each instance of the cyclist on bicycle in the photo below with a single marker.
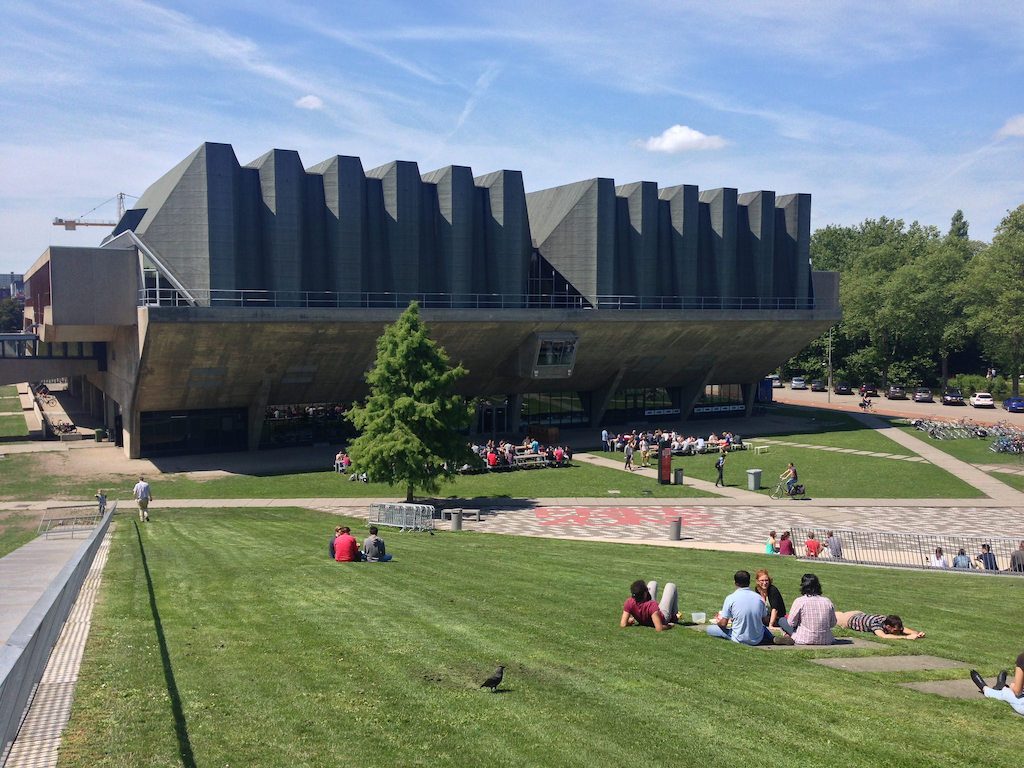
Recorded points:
(790, 477)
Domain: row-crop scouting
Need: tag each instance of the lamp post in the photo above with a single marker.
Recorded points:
(828, 394)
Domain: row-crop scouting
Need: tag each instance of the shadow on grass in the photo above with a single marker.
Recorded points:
(180, 726)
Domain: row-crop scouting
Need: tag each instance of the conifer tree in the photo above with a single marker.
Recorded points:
(411, 424)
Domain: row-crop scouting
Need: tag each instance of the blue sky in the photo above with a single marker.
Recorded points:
(909, 109)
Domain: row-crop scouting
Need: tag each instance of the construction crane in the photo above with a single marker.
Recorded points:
(81, 221)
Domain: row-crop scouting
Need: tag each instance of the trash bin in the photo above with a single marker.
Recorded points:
(456, 519)
(679, 476)
(675, 527)
(101, 435)
(753, 479)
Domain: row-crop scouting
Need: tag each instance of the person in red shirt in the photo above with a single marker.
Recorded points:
(812, 545)
(642, 610)
(346, 548)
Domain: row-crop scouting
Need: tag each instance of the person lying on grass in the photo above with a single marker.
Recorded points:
(1010, 692)
(890, 627)
(642, 610)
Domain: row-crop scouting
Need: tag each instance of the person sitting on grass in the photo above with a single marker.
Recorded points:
(346, 548)
(811, 617)
(641, 609)
(373, 548)
(1010, 692)
(962, 561)
(890, 627)
(771, 596)
(812, 546)
(786, 544)
(744, 616)
(987, 559)
(334, 538)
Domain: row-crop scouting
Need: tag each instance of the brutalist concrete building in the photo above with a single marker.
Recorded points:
(234, 291)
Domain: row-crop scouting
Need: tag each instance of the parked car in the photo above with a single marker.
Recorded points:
(843, 388)
(776, 381)
(981, 400)
(1014, 404)
(952, 396)
(818, 385)
(923, 395)
(896, 392)
(868, 390)
(798, 383)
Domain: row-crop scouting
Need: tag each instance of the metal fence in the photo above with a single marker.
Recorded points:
(70, 521)
(167, 297)
(407, 517)
(909, 550)
(24, 656)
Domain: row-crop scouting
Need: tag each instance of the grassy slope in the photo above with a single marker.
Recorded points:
(13, 426)
(282, 658)
(16, 530)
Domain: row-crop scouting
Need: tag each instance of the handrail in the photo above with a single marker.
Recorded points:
(166, 297)
(909, 550)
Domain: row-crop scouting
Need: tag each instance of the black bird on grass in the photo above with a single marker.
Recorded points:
(494, 680)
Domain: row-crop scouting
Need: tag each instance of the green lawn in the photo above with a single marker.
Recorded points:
(830, 475)
(8, 390)
(228, 638)
(13, 426)
(18, 481)
(16, 530)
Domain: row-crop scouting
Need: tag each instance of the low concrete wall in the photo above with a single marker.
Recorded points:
(23, 658)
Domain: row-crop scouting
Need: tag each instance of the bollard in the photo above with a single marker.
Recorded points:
(679, 476)
(675, 527)
(456, 519)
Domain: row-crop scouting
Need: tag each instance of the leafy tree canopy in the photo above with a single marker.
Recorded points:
(10, 316)
(410, 425)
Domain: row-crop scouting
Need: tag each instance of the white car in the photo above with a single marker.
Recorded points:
(982, 400)
(798, 383)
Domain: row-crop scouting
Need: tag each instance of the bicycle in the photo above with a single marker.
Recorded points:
(780, 490)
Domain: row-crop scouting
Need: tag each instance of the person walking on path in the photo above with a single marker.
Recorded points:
(628, 453)
(720, 466)
(142, 494)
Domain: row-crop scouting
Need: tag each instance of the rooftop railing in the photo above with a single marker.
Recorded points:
(168, 297)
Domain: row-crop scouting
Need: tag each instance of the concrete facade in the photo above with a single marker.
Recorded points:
(270, 283)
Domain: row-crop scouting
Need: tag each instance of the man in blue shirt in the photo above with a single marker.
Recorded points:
(987, 559)
(748, 614)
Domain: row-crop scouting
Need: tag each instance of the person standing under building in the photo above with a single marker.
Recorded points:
(142, 494)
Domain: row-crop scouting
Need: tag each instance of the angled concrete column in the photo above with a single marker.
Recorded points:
(680, 231)
(508, 243)
(793, 246)
(721, 248)
(749, 392)
(283, 184)
(345, 230)
(599, 398)
(756, 242)
(640, 235)
(456, 248)
(402, 197)
(692, 391)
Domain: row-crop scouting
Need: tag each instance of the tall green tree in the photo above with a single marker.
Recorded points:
(994, 292)
(410, 425)
(10, 315)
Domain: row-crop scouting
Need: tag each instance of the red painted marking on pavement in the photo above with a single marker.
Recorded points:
(612, 516)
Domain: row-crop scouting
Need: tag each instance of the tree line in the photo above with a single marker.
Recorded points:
(918, 304)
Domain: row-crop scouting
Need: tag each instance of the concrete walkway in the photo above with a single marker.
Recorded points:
(26, 573)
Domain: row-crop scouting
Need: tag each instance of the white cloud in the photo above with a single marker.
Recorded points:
(1012, 127)
(310, 102)
(681, 138)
